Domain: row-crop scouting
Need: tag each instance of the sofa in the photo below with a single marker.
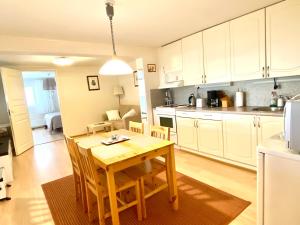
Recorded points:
(123, 124)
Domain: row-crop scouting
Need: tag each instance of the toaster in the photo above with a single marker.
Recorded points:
(292, 124)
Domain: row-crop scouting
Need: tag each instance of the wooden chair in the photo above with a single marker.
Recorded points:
(96, 184)
(146, 174)
(136, 127)
(77, 171)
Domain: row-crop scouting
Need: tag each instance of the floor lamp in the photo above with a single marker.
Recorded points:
(118, 91)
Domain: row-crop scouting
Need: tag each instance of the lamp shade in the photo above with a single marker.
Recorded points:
(118, 90)
(115, 67)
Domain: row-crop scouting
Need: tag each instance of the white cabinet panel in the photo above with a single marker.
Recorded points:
(210, 137)
(247, 37)
(216, 46)
(283, 35)
(240, 138)
(192, 59)
(269, 126)
(187, 133)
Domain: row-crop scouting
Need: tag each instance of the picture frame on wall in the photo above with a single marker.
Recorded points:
(151, 68)
(135, 78)
(93, 83)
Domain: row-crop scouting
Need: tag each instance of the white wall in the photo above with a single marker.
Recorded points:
(78, 105)
(4, 119)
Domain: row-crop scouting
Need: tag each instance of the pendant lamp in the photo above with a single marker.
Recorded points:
(114, 66)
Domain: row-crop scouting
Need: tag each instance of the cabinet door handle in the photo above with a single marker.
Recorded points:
(196, 123)
(268, 71)
(258, 123)
(263, 71)
(254, 122)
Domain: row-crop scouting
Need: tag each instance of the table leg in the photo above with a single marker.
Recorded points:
(171, 176)
(111, 185)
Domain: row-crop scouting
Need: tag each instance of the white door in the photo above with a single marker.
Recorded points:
(240, 138)
(210, 137)
(187, 133)
(283, 35)
(269, 126)
(247, 37)
(216, 46)
(16, 103)
(192, 59)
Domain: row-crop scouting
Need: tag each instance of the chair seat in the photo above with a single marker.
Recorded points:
(122, 180)
(147, 169)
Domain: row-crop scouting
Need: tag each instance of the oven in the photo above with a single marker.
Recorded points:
(167, 121)
(166, 117)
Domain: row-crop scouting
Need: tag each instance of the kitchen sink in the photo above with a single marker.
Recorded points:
(267, 109)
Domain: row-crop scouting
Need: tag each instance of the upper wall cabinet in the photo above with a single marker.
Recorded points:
(216, 46)
(192, 59)
(171, 62)
(247, 38)
(283, 35)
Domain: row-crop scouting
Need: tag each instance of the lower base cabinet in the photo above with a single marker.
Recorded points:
(210, 136)
(235, 138)
(187, 133)
(240, 138)
(200, 135)
(243, 133)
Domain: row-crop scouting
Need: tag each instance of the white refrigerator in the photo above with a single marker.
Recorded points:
(278, 184)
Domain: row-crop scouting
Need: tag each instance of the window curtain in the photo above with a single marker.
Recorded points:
(39, 99)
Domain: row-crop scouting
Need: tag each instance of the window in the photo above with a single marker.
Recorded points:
(29, 96)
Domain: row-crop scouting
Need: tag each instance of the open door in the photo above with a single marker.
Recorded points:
(16, 103)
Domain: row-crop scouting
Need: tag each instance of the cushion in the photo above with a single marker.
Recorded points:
(113, 115)
(130, 113)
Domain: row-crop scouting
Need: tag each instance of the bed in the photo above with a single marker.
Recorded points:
(53, 121)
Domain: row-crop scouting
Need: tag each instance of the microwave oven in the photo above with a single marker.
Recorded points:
(292, 124)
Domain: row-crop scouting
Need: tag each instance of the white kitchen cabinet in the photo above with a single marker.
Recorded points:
(210, 137)
(240, 140)
(192, 59)
(170, 62)
(268, 126)
(216, 44)
(283, 35)
(187, 133)
(247, 38)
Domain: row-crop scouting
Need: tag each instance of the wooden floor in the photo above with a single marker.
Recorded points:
(50, 161)
(43, 136)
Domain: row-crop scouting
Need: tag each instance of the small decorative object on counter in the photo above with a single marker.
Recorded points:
(273, 102)
(192, 100)
(280, 101)
(226, 101)
(239, 98)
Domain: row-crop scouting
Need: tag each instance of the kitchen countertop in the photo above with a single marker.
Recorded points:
(235, 110)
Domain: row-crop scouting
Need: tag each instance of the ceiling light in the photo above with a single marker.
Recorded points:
(114, 66)
(63, 61)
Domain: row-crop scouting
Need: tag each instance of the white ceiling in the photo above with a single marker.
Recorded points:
(46, 60)
(137, 22)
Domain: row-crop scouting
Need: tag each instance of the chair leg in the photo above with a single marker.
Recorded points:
(101, 209)
(143, 200)
(77, 190)
(83, 193)
(89, 204)
(139, 201)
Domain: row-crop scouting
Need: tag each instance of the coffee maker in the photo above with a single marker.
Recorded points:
(213, 99)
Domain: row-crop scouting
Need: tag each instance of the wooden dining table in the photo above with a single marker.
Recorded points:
(136, 150)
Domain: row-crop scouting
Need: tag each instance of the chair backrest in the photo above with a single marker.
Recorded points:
(71, 146)
(160, 132)
(136, 127)
(90, 170)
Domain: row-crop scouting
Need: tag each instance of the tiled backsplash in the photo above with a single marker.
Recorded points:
(258, 92)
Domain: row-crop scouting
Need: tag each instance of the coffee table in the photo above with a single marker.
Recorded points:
(93, 127)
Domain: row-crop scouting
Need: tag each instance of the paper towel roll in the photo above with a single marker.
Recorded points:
(239, 99)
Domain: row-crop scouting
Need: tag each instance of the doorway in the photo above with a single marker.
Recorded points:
(43, 106)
